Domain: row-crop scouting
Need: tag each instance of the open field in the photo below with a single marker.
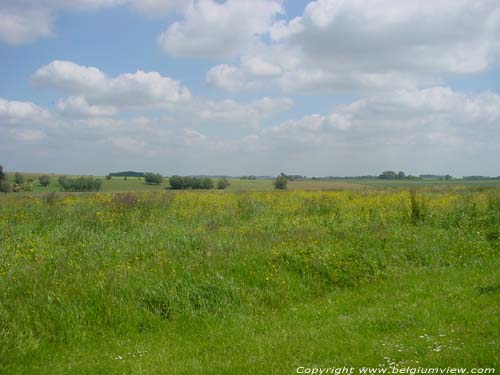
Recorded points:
(248, 282)
(132, 184)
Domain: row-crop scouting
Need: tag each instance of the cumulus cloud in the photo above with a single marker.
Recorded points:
(212, 29)
(431, 116)
(15, 112)
(22, 122)
(377, 44)
(22, 21)
(240, 115)
(97, 92)
(77, 106)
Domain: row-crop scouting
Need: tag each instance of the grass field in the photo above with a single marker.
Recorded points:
(134, 184)
(248, 282)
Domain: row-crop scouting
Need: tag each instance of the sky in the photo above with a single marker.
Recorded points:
(239, 87)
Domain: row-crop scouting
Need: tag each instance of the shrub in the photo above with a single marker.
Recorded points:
(280, 183)
(108, 177)
(153, 178)
(5, 186)
(223, 183)
(207, 183)
(2, 174)
(179, 183)
(19, 178)
(80, 184)
(44, 180)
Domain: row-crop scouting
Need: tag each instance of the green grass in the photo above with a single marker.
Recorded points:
(248, 283)
(135, 184)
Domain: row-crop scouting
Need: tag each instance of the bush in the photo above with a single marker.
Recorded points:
(80, 184)
(223, 183)
(108, 177)
(5, 186)
(153, 178)
(19, 178)
(2, 174)
(44, 180)
(280, 183)
(195, 183)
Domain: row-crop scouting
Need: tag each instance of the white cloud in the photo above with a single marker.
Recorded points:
(139, 90)
(77, 106)
(24, 25)
(229, 78)
(259, 67)
(240, 115)
(431, 116)
(22, 21)
(341, 45)
(15, 112)
(212, 29)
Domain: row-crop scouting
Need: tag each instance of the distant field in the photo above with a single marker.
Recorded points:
(422, 183)
(120, 184)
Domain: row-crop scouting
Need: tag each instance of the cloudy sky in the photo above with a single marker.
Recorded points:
(325, 87)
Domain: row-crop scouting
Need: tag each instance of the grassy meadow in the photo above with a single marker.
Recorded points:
(214, 282)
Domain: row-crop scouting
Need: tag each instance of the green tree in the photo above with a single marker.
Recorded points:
(223, 183)
(280, 183)
(388, 175)
(5, 186)
(19, 178)
(207, 183)
(2, 174)
(401, 175)
(153, 178)
(44, 180)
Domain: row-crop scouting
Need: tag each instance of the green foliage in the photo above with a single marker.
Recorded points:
(80, 184)
(388, 175)
(153, 178)
(5, 186)
(109, 177)
(281, 182)
(223, 183)
(19, 178)
(44, 180)
(195, 183)
(2, 174)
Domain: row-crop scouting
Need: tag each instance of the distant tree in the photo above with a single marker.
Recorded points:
(5, 186)
(44, 180)
(108, 177)
(388, 175)
(401, 175)
(223, 183)
(153, 178)
(176, 182)
(447, 177)
(207, 183)
(280, 182)
(2, 174)
(19, 178)
(179, 182)
(80, 184)
(62, 181)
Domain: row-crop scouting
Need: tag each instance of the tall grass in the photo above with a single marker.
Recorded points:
(76, 268)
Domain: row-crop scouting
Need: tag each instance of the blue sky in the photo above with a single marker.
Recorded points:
(322, 87)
